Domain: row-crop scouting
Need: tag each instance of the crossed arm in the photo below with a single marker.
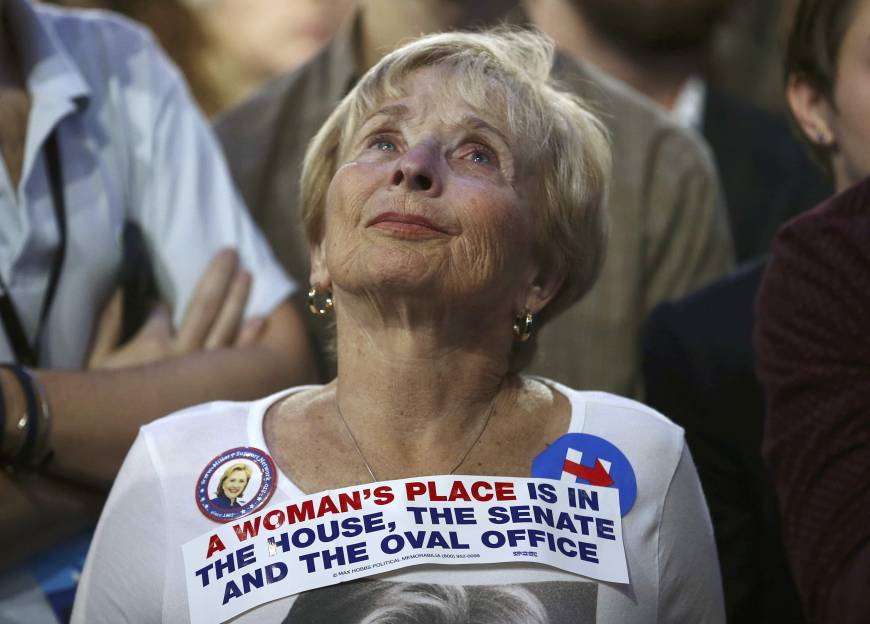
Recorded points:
(97, 412)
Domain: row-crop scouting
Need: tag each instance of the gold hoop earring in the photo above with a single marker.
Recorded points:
(315, 307)
(523, 326)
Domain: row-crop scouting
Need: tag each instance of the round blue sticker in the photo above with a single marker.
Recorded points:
(235, 483)
(585, 458)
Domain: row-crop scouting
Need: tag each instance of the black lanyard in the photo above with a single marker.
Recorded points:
(25, 353)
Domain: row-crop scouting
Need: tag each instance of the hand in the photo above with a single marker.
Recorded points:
(213, 320)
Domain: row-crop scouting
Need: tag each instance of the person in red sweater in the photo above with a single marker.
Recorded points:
(813, 323)
(813, 344)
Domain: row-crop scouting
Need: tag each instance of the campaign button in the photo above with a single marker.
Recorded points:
(585, 458)
(235, 483)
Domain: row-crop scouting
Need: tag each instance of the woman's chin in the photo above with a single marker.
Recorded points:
(395, 267)
(403, 283)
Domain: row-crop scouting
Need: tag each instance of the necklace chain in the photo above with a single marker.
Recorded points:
(453, 470)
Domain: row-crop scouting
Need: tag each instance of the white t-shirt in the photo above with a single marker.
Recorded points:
(134, 571)
(133, 147)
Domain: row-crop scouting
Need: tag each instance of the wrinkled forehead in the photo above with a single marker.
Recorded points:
(445, 82)
(455, 95)
(423, 99)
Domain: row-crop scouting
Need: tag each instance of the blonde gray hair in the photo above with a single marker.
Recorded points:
(563, 147)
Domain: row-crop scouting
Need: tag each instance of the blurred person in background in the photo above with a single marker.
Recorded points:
(669, 233)
(663, 49)
(253, 41)
(699, 364)
(181, 34)
(228, 48)
(97, 129)
(699, 368)
(746, 53)
(814, 323)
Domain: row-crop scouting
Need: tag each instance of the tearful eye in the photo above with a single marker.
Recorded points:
(384, 146)
(478, 154)
(480, 157)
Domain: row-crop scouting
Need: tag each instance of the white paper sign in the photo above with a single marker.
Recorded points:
(339, 535)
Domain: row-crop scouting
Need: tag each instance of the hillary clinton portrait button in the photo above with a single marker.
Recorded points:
(235, 483)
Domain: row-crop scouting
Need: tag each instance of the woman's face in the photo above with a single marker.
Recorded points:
(849, 118)
(235, 484)
(429, 200)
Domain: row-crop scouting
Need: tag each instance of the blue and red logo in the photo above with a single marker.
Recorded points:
(585, 458)
(235, 483)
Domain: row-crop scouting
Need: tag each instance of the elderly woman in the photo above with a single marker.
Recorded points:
(453, 203)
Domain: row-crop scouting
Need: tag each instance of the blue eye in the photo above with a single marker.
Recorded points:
(385, 146)
(480, 157)
(478, 153)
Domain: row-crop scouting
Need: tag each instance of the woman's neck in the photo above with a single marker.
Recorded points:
(406, 391)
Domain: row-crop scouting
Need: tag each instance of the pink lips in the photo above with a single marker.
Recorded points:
(405, 223)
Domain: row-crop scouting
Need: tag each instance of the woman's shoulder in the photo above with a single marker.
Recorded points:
(638, 412)
(611, 424)
(607, 404)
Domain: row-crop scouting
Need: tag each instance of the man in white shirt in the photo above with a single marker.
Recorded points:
(130, 147)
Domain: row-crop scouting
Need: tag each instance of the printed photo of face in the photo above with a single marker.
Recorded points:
(385, 602)
(232, 485)
(235, 484)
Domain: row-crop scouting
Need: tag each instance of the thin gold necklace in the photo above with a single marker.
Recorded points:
(368, 466)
